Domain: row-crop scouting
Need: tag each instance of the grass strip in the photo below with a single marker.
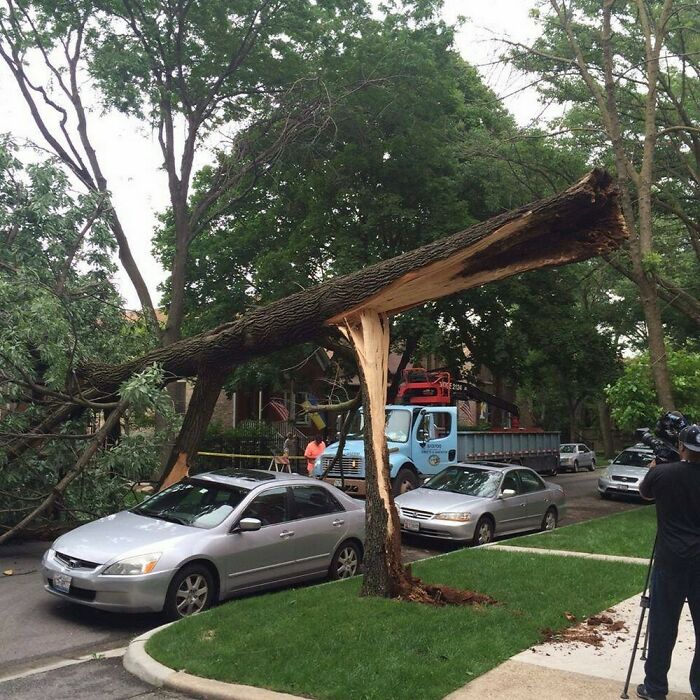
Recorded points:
(327, 642)
(628, 534)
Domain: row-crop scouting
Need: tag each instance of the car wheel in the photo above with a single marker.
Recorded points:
(483, 532)
(575, 467)
(549, 522)
(592, 467)
(190, 592)
(406, 480)
(346, 562)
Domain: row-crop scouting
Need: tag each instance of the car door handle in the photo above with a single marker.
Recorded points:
(338, 523)
(287, 533)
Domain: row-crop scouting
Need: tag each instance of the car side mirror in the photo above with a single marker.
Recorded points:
(247, 525)
(507, 493)
(427, 479)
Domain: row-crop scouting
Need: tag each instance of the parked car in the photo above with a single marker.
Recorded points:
(575, 455)
(475, 502)
(625, 473)
(208, 538)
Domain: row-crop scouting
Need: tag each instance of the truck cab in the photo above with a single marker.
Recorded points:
(422, 440)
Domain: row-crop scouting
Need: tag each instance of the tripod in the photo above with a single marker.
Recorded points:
(644, 604)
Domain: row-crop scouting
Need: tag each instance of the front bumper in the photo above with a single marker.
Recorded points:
(612, 487)
(437, 529)
(145, 593)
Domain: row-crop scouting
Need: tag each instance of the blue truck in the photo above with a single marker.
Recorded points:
(423, 440)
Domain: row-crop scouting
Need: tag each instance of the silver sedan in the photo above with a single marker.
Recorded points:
(626, 472)
(475, 502)
(208, 538)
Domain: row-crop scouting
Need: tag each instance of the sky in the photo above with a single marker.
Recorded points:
(131, 158)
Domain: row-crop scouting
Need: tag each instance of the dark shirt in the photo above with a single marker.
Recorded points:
(676, 489)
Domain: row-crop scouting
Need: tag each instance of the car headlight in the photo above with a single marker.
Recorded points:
(133, 566)
(459, 517)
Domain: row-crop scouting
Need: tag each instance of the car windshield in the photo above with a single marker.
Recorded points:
(467, 481)
(195, 503)
(632, 458)
(397, 428)
(567, 448)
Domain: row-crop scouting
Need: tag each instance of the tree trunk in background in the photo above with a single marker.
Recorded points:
(199, 412)
(409, 349)
(606, 428)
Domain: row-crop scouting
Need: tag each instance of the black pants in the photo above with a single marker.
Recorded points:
(670, 588)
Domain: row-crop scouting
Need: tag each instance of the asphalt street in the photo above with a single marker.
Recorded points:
(40, 631)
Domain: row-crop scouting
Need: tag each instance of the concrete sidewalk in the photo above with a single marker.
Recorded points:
(579, 671)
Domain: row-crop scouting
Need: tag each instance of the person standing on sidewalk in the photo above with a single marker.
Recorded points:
(676, 573)
(313, 450)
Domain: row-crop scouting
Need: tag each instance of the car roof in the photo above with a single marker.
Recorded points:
(639, 447)
(484, 464)
(251, 478)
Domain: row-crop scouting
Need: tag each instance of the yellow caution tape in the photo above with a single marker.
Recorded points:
(225, 454)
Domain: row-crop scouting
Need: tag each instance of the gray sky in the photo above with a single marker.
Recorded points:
(131, 157)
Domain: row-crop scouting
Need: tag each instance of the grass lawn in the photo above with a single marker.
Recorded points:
(327, 642)
(629, 534)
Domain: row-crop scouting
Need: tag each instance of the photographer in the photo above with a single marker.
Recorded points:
(676, 574)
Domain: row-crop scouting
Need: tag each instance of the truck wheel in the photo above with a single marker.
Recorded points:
(483, 532)
(549, 522)
(406, 480)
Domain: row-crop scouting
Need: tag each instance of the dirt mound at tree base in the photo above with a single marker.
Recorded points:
(439, 595)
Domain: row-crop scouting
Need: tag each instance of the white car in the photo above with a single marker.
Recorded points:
(575, 455)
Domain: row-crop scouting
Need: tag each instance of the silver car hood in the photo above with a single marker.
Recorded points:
(436, 501)
(624, 470)
(120, 535)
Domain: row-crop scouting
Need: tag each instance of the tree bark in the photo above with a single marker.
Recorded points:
(606, 427)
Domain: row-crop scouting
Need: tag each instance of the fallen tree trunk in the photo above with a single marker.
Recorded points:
(577, 224)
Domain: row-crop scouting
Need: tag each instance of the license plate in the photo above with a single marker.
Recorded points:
(412, 525)
(61, 582)
(623, 487)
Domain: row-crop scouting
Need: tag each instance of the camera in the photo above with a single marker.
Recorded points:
(664, 440)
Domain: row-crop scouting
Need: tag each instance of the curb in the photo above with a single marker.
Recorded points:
(567, 553)
(145, 667)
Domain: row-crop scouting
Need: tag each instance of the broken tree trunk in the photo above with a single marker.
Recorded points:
(577, 224)
(385, 575)
(194, 425)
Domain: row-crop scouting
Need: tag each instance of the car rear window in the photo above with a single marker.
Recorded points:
(632, 458)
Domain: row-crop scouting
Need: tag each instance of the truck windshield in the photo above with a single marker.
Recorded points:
(397, 428)
(467, 481)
